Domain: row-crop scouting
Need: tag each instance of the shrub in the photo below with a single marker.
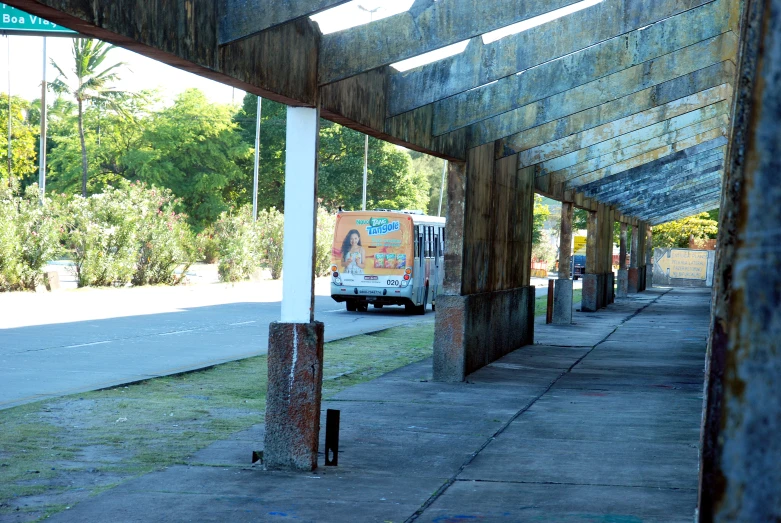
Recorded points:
(271, 229)
(29, 238)
(165, 240)
(324, 241)
(207, 245)
(239, 246)
(102, 234)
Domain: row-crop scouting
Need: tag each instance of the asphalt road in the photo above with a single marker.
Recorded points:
(52, 344)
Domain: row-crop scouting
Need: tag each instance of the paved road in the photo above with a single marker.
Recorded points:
(73, 341)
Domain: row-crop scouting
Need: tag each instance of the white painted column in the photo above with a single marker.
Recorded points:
(300, 218)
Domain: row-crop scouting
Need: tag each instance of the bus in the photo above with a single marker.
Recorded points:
(385, 257)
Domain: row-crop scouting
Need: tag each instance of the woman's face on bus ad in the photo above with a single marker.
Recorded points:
(354, 239)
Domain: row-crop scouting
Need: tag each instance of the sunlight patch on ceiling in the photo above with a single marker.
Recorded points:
(537, 20)
(358, 12)
(431, 56)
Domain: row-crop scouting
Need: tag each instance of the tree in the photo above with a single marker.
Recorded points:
(89, 85)
(541, 214)
(24, 136)
(392, 184)
(431, 168)
(678, 232)
(193, 149)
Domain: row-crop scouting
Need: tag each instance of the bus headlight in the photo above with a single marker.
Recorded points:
(405, 281)
(338, 281)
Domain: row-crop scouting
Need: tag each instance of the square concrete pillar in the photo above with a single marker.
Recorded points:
(295, 379)
(611, 288)
(590, 301)
(633, 278)
(623, 283)
(474, 330)
(562, 302)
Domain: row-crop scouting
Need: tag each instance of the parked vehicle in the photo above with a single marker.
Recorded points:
(578, 265)
(386, 257)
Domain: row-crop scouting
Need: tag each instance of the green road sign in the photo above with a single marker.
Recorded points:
(14, 21)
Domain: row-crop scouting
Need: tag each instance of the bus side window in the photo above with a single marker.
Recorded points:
(415, 241)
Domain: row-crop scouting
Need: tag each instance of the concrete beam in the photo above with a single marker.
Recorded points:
(582, 174)
(480, 64)
(427, 26)
(697, 209)
(608, 89)
(677, 182)
(629, 113)
(600, 60)
(658, 170)
(618, 155)
(667, 131)
(682, 207)
(710, 139)
(664, 199)
(241, 18)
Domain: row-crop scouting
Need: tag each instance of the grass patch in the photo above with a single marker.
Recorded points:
(541, 303)
(56, 452)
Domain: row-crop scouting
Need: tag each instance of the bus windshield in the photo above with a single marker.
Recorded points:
(371, 246)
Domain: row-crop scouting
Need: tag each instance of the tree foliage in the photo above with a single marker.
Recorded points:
(24, 135)
(192, 148)
(89, 84)
(678, 232)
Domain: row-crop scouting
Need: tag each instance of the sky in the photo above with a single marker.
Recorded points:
(21, 57)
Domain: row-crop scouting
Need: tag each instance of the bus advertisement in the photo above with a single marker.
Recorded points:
(375, 259)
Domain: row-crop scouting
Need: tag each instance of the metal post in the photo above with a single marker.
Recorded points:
(365, 171)
(549, 309)
(10, 177)
(257, 163)
(442, 188)
(42, 157)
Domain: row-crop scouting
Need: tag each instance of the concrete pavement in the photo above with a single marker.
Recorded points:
(598, 421)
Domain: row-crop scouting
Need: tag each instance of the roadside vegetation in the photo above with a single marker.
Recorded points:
(137, 190)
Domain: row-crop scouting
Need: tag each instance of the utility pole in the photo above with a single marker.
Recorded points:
(442, 188)
(42, 154)
(257, 163)
(366, 143)
(10, 176)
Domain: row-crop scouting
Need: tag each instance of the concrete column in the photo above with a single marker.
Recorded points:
(623, 282)
(649, 257)
(487, 306)
(590, 300)
(741, 450)
(562, 293)
(633, 275)
(295, 348)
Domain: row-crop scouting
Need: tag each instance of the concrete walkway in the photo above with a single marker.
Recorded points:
(598, 422)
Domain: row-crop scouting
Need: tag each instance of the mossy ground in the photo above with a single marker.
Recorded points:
(57, 452)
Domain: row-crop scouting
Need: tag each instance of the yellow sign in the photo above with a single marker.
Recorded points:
(580, 245)
(685, 264)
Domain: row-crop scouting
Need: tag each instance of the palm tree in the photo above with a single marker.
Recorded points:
(90, 85)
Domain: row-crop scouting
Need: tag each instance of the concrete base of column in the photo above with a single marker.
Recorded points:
(591, 293)
(649, 276)
(562, 302)
(474, 330)
(623, 283)
(295, 379)
(633, 280)
(611, 287)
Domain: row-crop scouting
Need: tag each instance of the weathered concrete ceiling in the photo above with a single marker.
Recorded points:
(625, 101)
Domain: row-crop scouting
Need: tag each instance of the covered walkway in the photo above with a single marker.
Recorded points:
(598, 421)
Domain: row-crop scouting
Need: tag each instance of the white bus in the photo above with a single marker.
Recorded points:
(387, 258)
